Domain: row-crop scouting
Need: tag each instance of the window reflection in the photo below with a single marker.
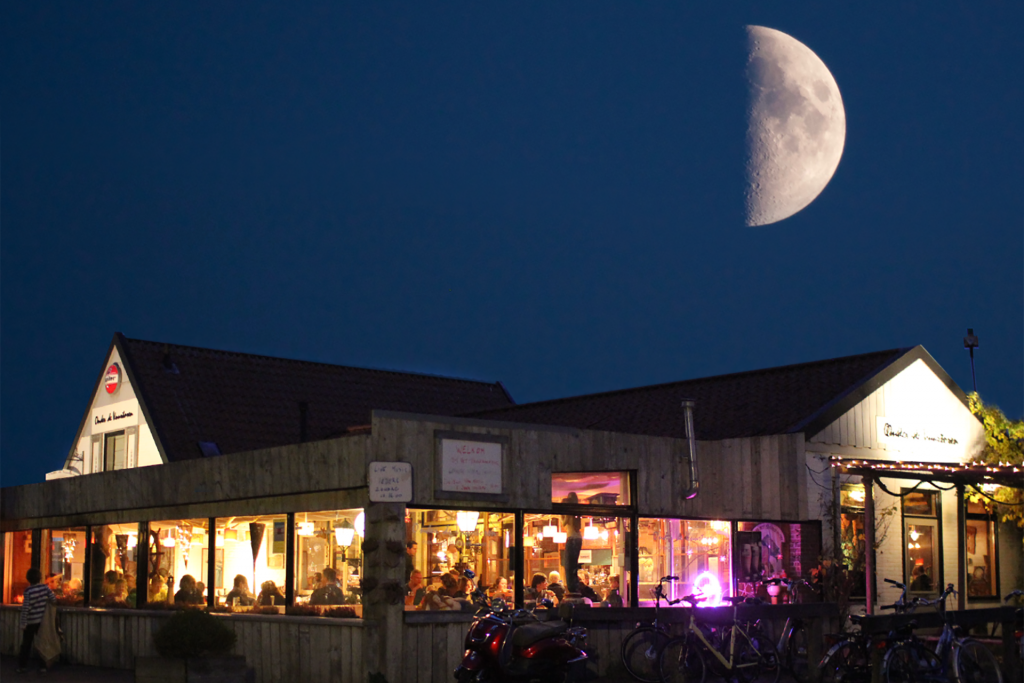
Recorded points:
(697, 552)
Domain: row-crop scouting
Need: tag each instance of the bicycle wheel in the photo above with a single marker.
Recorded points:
(975, 663)
(846, 662)
(756, 660)
(912, 663)
(796, 653)
(640, 653)
(681, 661)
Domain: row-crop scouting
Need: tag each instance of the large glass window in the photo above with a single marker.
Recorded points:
(113, 562)
(697, 552)
(329, 557)
(18, 559)
(576, 554)
(253, 561)
(851, 499)
(982, 581)
(443, 542)
(64, 563)
(178, 556)
(921, 533)
(114, 451)
(590, 488)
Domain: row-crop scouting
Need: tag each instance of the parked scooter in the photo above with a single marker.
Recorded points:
(504, 645)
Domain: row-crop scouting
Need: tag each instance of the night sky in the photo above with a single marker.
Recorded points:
(546, 194)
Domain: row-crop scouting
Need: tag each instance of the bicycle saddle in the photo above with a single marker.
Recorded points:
(531, 633)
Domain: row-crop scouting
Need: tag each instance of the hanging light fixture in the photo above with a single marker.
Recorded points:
(591, 533)
(304, 528)
(344, 533)
(466, 520)
(560, 537)
(550, 530)
(167, 541)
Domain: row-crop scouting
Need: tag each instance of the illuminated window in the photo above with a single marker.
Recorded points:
(590, 488)
(253, 560)
(178, 555)
(982, 549)
(921, 534)
(851, 498)
(17, 560)
(329, 539)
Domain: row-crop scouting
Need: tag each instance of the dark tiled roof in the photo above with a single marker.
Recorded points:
(756, 403)
(243, 402)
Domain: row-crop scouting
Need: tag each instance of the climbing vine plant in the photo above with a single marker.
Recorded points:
(1004, 444)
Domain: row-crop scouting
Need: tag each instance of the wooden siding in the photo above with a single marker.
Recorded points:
(205, 487)
(756, 478)
(279, 649)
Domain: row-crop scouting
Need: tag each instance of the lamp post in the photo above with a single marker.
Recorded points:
(971, 343)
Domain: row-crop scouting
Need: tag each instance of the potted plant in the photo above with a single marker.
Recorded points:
(193, 647)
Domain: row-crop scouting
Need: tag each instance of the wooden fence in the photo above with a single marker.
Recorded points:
(282, 648)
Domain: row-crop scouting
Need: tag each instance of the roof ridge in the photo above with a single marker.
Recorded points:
(315, 363)
(648, 387)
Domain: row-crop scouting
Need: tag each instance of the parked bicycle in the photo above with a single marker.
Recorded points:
(792, 644)
(740, 652)
(966, 659)
(849, 659)
(1018, 622)
(641, 647)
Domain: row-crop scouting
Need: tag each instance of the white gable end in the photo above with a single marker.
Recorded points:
(912, 417)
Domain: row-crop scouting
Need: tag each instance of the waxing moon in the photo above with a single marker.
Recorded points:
(796, 126)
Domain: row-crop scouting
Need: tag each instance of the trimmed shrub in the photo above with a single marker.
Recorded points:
(193, 633)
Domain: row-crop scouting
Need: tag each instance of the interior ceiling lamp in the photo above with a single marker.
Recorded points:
(592, 533)
(720, 526)
(133, 540)
(304, 528)
(550, 530)
(466, 520)
(560, 537)
(604, 534)
(857, 495)
(167, 541)
(361, 524)
(344, 532)
(914, 535)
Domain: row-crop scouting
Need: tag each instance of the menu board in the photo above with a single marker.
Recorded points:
(471, 466)
(390, 482)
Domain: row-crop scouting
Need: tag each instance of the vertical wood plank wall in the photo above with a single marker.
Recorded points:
(280, 650)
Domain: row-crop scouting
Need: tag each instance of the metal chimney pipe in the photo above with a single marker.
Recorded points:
(694, 488)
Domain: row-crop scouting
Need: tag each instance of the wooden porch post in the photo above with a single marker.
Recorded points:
(961, 549)
(869, 542)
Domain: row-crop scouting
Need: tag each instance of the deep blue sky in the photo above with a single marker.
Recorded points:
(541, 193)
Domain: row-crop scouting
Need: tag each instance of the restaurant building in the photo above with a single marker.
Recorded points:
(222, 465)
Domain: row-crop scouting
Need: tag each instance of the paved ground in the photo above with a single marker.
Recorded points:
(62, 673)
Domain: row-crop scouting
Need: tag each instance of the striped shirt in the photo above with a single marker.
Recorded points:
(32, 609)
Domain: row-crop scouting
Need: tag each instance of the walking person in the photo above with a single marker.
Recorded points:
(37, 596)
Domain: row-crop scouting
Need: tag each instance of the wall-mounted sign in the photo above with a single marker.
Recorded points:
(112, 378)
(917, 438)
(471, 466)
(115, 416)
(390, 482)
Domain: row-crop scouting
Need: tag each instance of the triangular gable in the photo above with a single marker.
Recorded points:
(911, 411)
(115, 407)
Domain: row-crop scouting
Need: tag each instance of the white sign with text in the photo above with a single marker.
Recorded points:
(115, 416)
(470, 466)
(918, 439)
(390, 482)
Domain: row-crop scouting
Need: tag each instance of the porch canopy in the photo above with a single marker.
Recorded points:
(960, 476)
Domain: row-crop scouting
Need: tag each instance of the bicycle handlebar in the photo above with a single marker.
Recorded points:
(1013, 594)
(668, 579)
(895, 583)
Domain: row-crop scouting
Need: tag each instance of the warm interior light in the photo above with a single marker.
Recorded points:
(857, 495)
(466, 520)
(560, 537)
(361, 524)
(167, 541)
(591, 533)
(914, 535)
(604, 534)
(707, 585)
(550, 530)
(344, 535)
(304, 528)
(133, 540)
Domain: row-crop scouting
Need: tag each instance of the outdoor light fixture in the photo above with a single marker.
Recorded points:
(466, 520)
(343, 533)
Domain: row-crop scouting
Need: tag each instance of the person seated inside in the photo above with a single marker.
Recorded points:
(314, 581)
(240, 593)
(500, 590)
(416, 588)
(107, 587)
(555, 585)
(329, 593)
(584, 589)
(120, 595)
(538, 591)
(157, 589)
(53, 582)
(614, 598)
(187, 593)
(442, 598)
(464, 586)
(270, 595)
(920, 581)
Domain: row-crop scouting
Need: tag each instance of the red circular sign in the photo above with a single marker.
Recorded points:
(112, 380)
